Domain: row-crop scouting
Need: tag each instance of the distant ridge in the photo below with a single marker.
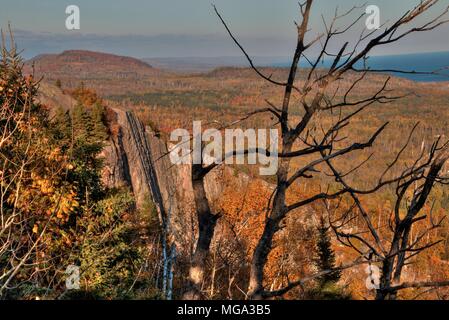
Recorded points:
(420, 62)
(85, 56)
(206, 64)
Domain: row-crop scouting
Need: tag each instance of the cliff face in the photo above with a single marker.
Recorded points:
(135, 157)
(132, 159)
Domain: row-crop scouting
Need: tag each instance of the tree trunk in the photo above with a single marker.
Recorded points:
(206, 227)
(264, 245)
(384, 293)
(259, 260)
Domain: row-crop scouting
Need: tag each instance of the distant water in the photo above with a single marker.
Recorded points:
(420, 62)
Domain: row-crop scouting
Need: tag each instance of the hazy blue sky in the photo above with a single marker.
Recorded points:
(184, 27)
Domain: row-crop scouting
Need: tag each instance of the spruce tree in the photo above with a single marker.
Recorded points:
(81, 122)
(326, 257)
(99, 131)
(327, 287)
(62, 125)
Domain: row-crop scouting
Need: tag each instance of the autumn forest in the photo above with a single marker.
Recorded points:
(94, 208)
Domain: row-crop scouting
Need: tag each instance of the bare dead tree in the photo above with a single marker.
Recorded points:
(403, 247)
(393, 254)
(206, 219)
(315, 97)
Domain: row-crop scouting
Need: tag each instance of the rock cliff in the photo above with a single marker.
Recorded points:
(136, 157)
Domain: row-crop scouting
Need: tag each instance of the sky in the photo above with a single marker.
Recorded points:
(180, 28)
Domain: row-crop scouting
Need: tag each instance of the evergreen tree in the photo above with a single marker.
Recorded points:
(62, 125)
(81, 122)
(327, 287)
(99, 132)
(85, 154)
(326, 257)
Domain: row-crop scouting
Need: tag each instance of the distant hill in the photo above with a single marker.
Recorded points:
(89, 64)
(101, 71)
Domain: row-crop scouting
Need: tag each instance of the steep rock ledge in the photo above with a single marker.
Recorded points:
(135, 157)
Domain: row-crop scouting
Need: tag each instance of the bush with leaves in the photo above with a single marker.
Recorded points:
(106, 255)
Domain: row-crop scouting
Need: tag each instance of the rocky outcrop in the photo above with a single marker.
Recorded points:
(131, 158)
(136, 157)
(54, 98)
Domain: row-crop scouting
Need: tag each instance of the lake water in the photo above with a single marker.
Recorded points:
(422, 62)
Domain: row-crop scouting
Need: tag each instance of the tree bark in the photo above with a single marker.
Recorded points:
(264, 245)
(206, 226)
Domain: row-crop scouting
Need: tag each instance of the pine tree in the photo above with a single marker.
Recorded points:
(326, 257)
(62, 125)
(81, 122)
(99, 131)
(327, 287)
